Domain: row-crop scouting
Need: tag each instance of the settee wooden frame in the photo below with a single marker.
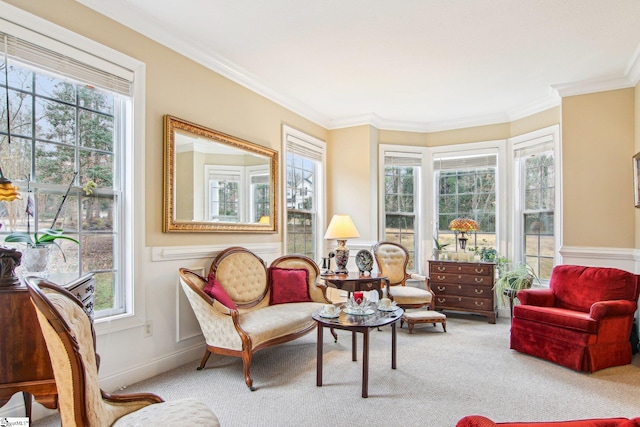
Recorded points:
(196, 283)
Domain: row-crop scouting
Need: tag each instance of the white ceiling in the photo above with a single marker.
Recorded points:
(402, 64)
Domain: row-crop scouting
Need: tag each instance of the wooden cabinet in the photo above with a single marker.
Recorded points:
(24, 359)
(464, 286)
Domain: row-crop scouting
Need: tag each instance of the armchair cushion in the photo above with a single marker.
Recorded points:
(288, 285)
(215, 290)
(560, 317)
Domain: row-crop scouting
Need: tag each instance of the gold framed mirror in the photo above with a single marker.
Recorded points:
(215, 182)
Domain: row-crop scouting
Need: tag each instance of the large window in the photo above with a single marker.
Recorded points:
(304, 194)
(535, 202)
(466, 188)
(68, 122)
(401, 201)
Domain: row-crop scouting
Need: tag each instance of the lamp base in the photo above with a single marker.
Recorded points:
(342, 258)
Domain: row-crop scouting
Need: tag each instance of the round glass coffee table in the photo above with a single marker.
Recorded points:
(355, 323)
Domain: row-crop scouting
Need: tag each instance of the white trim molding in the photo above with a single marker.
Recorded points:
(623, 258)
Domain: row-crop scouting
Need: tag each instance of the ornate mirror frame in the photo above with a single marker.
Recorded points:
(174, 126)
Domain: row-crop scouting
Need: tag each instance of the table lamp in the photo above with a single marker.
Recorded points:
(463, 225)
(341, 228)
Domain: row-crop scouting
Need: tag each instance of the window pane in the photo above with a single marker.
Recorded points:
(98, 252)
(56, 121)
(467, 193)
(301, 204)
(72, 129)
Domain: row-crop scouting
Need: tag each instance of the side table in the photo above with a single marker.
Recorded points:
(353, 282)
(362, 324)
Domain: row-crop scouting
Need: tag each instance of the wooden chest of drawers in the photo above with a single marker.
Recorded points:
(464, 286)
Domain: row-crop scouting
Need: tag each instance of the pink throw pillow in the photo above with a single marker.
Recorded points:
(215, 290)
(288, 285)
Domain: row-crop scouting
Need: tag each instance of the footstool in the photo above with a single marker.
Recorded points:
(423, 316)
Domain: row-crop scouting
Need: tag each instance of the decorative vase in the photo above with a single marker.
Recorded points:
(35, 260)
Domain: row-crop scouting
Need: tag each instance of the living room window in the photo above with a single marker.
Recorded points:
(535, 166)
(304, 172)
(402, 178)
(70, 115)
(466, 188)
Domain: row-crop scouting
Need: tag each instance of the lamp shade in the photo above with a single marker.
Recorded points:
(341, 227)
(463, 224)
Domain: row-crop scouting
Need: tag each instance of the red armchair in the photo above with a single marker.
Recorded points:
(480, 421)
(583, 321)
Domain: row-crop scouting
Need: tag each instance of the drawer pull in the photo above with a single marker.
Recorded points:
(441, 300)
(442, 268)
(479, 303)
(442, 277)
(479, 270)
(479, 291)
(459, 286)
(459, 299)
(478, 279)
(442, 288)
(459, 277)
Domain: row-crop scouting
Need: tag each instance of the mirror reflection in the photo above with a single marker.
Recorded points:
(215, 182)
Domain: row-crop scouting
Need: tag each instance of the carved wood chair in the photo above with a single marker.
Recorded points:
(392, 260)
(70, 340)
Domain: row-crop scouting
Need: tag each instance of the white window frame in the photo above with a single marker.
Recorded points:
(239, 172)
(34, 29)
(536, 141)
(422, 193)
(318, 148)
(497, 147)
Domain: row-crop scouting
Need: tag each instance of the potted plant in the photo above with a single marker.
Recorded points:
(510, 282)
(38, 243)
(439, 248)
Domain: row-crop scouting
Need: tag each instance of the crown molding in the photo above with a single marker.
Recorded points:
(633, 69)
(550, 101)
(592, 86)
(142, 23)
(133, 18)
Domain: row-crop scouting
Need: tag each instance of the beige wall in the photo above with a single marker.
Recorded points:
(351, 159)
(597, 135)
(597, 147)
(204, 97)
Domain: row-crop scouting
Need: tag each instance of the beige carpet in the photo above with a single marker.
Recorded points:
(441, 377)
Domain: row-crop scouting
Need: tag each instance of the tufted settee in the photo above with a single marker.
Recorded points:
(244, 307)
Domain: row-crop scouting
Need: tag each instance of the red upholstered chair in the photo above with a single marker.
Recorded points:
(583, 321)
(480, 421)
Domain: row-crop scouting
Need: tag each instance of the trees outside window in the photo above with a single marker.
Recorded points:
(538, 212)
(400, 184)
(304, 171)
(467, 189)
(65, 134)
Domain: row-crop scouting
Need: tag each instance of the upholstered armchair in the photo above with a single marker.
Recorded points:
(582, 321)
(392, 260)
(70, 341)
